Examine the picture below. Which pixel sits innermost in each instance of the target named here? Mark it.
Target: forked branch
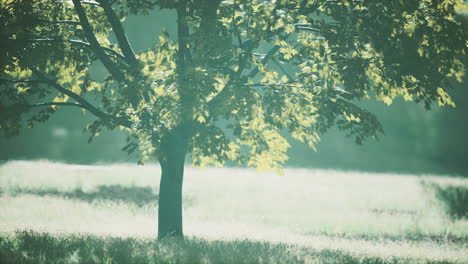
(100, 53)
(227, 91)
(119, 32)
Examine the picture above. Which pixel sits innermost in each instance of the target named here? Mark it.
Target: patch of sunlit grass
(363, 214)
(63, 177)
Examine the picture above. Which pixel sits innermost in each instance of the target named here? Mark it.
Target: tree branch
(225, 92)
(93, 3)
(119, 32)
(306, 28)
(273, 84)
(73, 41)
(88, 31)
(81, 102)
(282, 69)
(265, 59)
(57, 103)
(65, 22)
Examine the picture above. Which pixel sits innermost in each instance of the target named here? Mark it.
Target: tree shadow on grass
(453, 198)
(139, 196)
(32, 247)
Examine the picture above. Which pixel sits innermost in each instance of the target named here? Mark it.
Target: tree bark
(174, 145)
(170, 188)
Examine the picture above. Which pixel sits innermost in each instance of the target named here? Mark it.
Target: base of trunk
(170, 205)
(170, 188)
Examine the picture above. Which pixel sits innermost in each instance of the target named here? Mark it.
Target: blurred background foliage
(415, 140)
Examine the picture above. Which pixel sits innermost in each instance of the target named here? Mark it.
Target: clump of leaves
(454, 199)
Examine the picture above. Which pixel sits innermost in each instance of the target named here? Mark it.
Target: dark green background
(415, 140)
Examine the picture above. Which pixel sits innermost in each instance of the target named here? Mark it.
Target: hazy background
(415, 140)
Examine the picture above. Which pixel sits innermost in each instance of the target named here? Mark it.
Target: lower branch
(57, 104)
(81, 102)
(74, 42)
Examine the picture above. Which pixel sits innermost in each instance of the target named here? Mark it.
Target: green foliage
(31, 247)
(240, 71)
(454, 199)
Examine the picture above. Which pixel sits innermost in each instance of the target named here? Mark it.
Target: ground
(231, 215)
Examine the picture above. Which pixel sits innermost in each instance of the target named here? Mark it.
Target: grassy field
(57, 213)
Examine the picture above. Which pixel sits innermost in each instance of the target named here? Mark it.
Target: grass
(31, 247)
(305, 216)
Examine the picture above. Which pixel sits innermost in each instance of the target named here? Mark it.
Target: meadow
(58, 213)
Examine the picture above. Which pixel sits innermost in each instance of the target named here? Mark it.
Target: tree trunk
(174, 145)
(170, 188)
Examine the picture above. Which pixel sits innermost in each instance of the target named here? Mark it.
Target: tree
(238, 73)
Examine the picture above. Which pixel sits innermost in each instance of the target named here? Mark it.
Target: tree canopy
(237, 74)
